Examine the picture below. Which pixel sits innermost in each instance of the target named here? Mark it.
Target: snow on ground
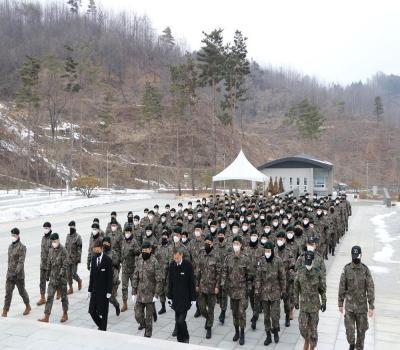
(16, 208)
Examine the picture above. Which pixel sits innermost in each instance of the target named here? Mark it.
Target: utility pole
(107, 169)
(224, 168)
(367, 177)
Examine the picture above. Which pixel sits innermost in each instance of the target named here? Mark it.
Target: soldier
(289, 262)
(270, 287)
(293, 247)
(356, 290)
(164, 256)
(116, 239)
(309, 285)
(16, 273)
(177, 243)
(130, 250)
(129, 220)
(236, 279)
(137, 230)
(73, 245)
(318, 260)
(144, 221)
(57, 265)
(107, 249)
(95, 234)
(146, 288)
(113, 220)
(222, 249)
(208, 279)
(323, 226)
(254, 252)
(150, 237)
(44, 252)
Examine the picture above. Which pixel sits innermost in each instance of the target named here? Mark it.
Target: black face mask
(221, 239)
(306, 225)
(145, 256)
(271, 257)
(97, 255)
(253, 244)
(72, 230)
(130, 220)
(106, 248)
(164, 241)
(356, 261)
(208, 247)
(96, 235)
(298, 232)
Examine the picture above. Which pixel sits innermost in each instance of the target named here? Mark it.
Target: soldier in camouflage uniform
(116, 237)
(73, 245)
(318, 259)
(95, 234)
(150, 237)
(322, 223)
(289, 261)
(16, 273)
(164, 256)
(222, 249)
(309, 285)
(107, 249)
(44, 252)
(292, 245)
(57, 265)
(113, 220)
(334, 233)
(130, 250)
(146, 288)
(356, 291)
(255, 253)
(236, 279)
(270, 287)
(208, 278)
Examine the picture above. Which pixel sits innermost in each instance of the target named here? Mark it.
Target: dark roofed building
(302, 172)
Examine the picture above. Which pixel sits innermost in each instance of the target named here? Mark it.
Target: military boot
(208, 334)
(45, 318)
(58, 296)
(253, 323)
(352, 347)
(276, 335)
(197, 313)
(27, 310)
(70, 290)
(4, 314)
(162, 310)
(175, 331)
(268, 340)
(222, 317)
(124, 306)
(64, 317)
(287, 320)
(79, 284)
(241, 339)
(42, 300)
(236, 336)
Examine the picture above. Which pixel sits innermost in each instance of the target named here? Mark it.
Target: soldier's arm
(79, 249)
(65, 263)
(135, 281)
(322, 288)
(282, 277)
(89, 255)
(223, 273)
(21, 260)
(218, 277)
(370, 291)
(159, 279)
(296, 290)
(257, 280)
(136, 247)
(48, 269)
(342, 289)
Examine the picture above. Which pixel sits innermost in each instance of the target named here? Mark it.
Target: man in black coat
(100, 286)
(182, 292)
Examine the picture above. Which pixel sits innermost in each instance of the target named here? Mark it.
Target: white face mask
(46, 231)
(262, 217)
(199, 215)
(236, 248)
(213, 229)
(311, 248)
(151, 217)
(256, 216)
(113, 228)
(176, 239)
(54, 245)
(14, 239)
(163, 219)
(280, 242)
(197, 233)
(184, 239)
(185, 215)
(148, 233)
(309, 267)
(223, 225)
(289, 216)
(253, 239)
(190, 217)
(206, 210)
(245, 228)
(230, 221)
(95, 231)
(285, 221)
(275, 224)
(172, 214)
(267, 230)
(305, 222)
(145, 215)
(290, 235)
(319, 212)
(267, 255)
(263, 240)
(235, 230)
(241, 219)
(127, 235)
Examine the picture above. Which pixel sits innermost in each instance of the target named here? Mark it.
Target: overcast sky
(336, 40)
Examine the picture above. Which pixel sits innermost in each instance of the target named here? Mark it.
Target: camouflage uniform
(57, 265)
(146, 285)
(73, 245)
(115, 266)
(289, 265)
(308, 286)
(15, 274)
(270, 282)
(318, 262)
(44, 253)
(208, 278)
(116, 244)
(222, 250)
(236, 279)
(130, 250)
(356, 287)
(164, 257)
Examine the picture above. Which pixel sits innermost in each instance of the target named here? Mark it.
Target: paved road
(378, 237)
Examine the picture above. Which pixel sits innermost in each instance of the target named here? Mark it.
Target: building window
(298, 181)
(291, 181)
(319, 182)
(305, 181)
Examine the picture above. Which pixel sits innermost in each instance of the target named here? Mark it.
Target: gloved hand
(296, 306)
(284, 296)
(155, 299)
(108, 295)
(169, 302)
(134, 297)
(323, 307)
(88, 267)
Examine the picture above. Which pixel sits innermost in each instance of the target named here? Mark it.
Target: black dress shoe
(117, 310)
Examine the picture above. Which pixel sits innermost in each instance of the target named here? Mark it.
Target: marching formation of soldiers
(262, 250)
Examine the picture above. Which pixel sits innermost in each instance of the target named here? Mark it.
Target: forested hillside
(84, 91)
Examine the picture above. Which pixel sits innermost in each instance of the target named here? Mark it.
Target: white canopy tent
(240, 169)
